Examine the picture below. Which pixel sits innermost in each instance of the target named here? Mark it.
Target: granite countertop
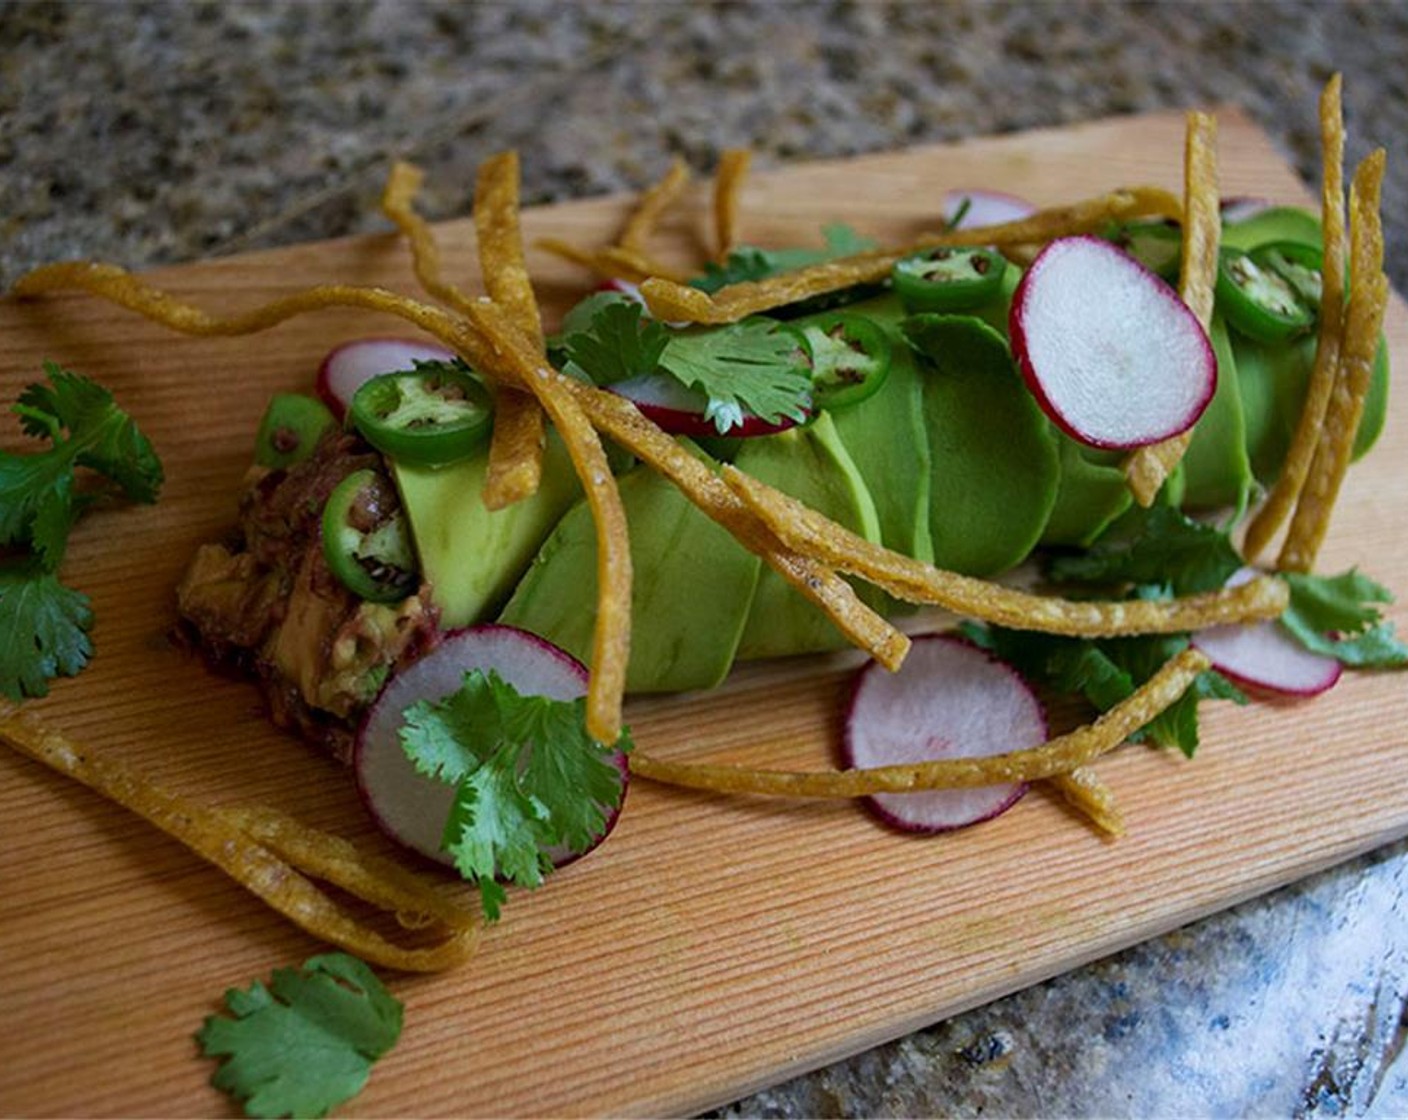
(152, 133)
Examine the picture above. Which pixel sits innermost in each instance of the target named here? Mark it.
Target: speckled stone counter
(152, 133)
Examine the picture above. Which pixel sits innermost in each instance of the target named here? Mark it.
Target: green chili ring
(1258, 301)
(850, 357)
(949, 279)
(366, 541)
(430, 416)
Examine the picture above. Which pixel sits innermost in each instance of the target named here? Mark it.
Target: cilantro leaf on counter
(306, 1042)
(748, 262)
(1156, 547)
(43, 624)
(1335, 616)
(753, 366)
(527, 776)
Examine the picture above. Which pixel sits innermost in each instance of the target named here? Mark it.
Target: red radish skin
(1263, 655)
(347, 367)
(985, 208)
(1110, 352)
(411, 808)
(949, 699)
(679, 410)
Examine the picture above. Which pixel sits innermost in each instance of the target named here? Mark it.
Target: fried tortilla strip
(1368, 298)
(402, 185)
(1149, 466)
(516, 447)
(1328, 341)
(728, 184)
(273, 870)
(912, 580)
(1084, 792)
(611, 638)
(620, 419)
(675, 302)
(1056, 756)
(613, 262)
(651, 207)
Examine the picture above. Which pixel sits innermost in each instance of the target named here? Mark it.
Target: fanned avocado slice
(690, 593)
(812, 465)
(996, 470)
(1216, 468)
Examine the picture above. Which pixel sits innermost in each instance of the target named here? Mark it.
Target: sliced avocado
(471, 556)
(690, 593)
(1217, 469)
(812, 465)
(884, 436)
(1093, 492)
(996, 471)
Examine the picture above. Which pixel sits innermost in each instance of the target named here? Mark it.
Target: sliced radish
(1111, 353)
(347, 367)
(948, 700)
(984, 208)
(1241, 208)
(625, 287)
(679, 410)
(1265, 655)
(412, 808)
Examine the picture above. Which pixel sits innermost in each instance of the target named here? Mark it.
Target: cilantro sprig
(304, 1043)
(1338, 616)
(528, 779)
(748, 262)
(752, 367)
(43, 624)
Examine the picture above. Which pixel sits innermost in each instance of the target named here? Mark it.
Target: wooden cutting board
(714, 945)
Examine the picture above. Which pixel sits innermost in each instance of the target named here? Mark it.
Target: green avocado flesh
(472, 557)
(813, 466)
(1216, 468)
(690, 593)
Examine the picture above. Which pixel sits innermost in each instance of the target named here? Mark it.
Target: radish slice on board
(347, 367)
(949, 699)
(1111, 353)
(679, 410)
(412, 808)
(984, 208)
(1265, 655)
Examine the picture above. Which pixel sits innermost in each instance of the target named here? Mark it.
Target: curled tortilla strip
(272, 870)
(651, 207)
(1084, 792)
(1368, 299)
(1329, 338)
(516, 446)
(611, 637)
(728, 184)
(675, 302)
(1054, 757)
(916, 582)
(622, 421)
(402, 185)
(613, 262)
(1149, 467)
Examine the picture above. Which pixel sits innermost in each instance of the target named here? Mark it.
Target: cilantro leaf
(1159, 547)
(754, 366)
(617, 343)
(305, 1043)
(528, 779)
(1335, 616)
(43, 628)
(748, 262)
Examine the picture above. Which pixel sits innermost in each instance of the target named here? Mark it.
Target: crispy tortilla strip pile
(273, 856)
(1149, 467)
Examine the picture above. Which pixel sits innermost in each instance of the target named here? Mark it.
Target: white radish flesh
(1265, 655)
(1111, 353)
(984, 208)
(412, 808)
(349, 366)
(948, 700)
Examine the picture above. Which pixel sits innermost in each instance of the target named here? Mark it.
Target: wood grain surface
(713, 945)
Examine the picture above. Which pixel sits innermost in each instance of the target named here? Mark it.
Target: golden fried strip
(914, 581)
(271, 871)
(516, 447)
(1084, 792)
(1328, 340)
(1056, 756)
(611, 637)
(402, 185)
(1149, 466)
(1368, 298)
(728, 183)
(620, 419)
(613, 262)
(675, 302)
(651, 207)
